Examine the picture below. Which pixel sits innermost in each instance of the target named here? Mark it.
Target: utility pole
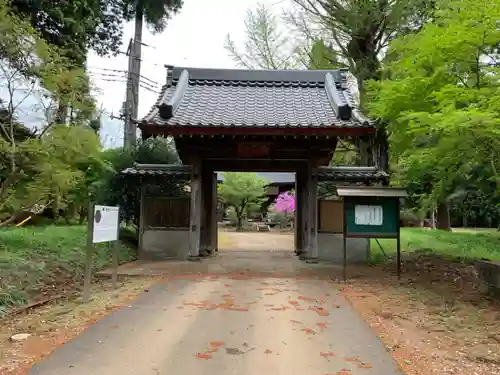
(131, 108)
(129, 101)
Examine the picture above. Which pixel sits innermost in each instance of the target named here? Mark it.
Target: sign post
(103, 226)
(371, 212)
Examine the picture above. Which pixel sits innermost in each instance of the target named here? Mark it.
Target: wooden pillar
(196, 210)
(312, 215)
(303, 208)
(206, 194)
(142, 221)
(213, 214)
(296, 231)
(300, 210)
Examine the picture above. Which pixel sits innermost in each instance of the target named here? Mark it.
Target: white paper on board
(106, 222)
(368, 215)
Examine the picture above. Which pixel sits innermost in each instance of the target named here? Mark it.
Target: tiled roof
(158, 170)
(339, 173)
(371, 191)
(273, 178)
(255, 98)
(350, 173)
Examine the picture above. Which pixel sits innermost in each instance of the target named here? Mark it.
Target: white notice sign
(106, 221)
(368, 215)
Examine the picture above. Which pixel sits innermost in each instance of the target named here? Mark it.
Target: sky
(193, 38)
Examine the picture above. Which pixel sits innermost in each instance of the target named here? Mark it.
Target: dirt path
(256, 241)
(249, 310)
(252, 309)
(226, 326)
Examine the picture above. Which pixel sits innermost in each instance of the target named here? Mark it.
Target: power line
(122, 71)
(124, 80)
(148, 45)
(106, 77)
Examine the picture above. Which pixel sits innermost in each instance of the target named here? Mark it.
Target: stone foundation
(163, 244)
(330, 249)
(489, 276)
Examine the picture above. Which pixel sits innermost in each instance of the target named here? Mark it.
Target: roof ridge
(245, 83)
(263, 75)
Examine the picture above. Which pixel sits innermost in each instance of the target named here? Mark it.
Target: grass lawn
(461, 243)
(41, 259)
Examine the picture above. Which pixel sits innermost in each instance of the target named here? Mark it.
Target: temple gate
(253, 120)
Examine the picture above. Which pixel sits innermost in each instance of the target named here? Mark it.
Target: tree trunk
(82, 215)
(382, 148)
(9, 220)
(443, 216)
(364, 147)
(62, 113)
(363, 52)
(5, 186)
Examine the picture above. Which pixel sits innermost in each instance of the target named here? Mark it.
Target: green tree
(333, 34)
(76, 26)
(37, 167)
(323, 56)
(241, 190)
(268, 44)
(36, 64)
(156, 13)
(79, 26)
(441, 99)
(359, 30)
(116, 189)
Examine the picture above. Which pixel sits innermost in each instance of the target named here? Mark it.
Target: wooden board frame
(87, 279)
(396, 235)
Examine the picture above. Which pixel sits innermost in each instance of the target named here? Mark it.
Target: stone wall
(330, 249)
(489, 276)
(163, 244)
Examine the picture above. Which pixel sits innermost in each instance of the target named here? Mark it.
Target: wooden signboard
(371, 212)
(331, 219)
(103, 226)
(371, 217)
(253, 149)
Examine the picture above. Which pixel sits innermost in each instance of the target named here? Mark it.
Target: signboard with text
(371, 212)
(371, 216)
(106, 222)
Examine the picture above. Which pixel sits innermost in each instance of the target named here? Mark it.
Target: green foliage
(359, 31)
(117, 189)
(441, 98)
(242, 190)
(49, 165)
(76, 26)
(31, 258)
(283, 219)
(156, 12)
(31, 66)
(268, 45)
(469, 246)
(51, 170)
(323, 57)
